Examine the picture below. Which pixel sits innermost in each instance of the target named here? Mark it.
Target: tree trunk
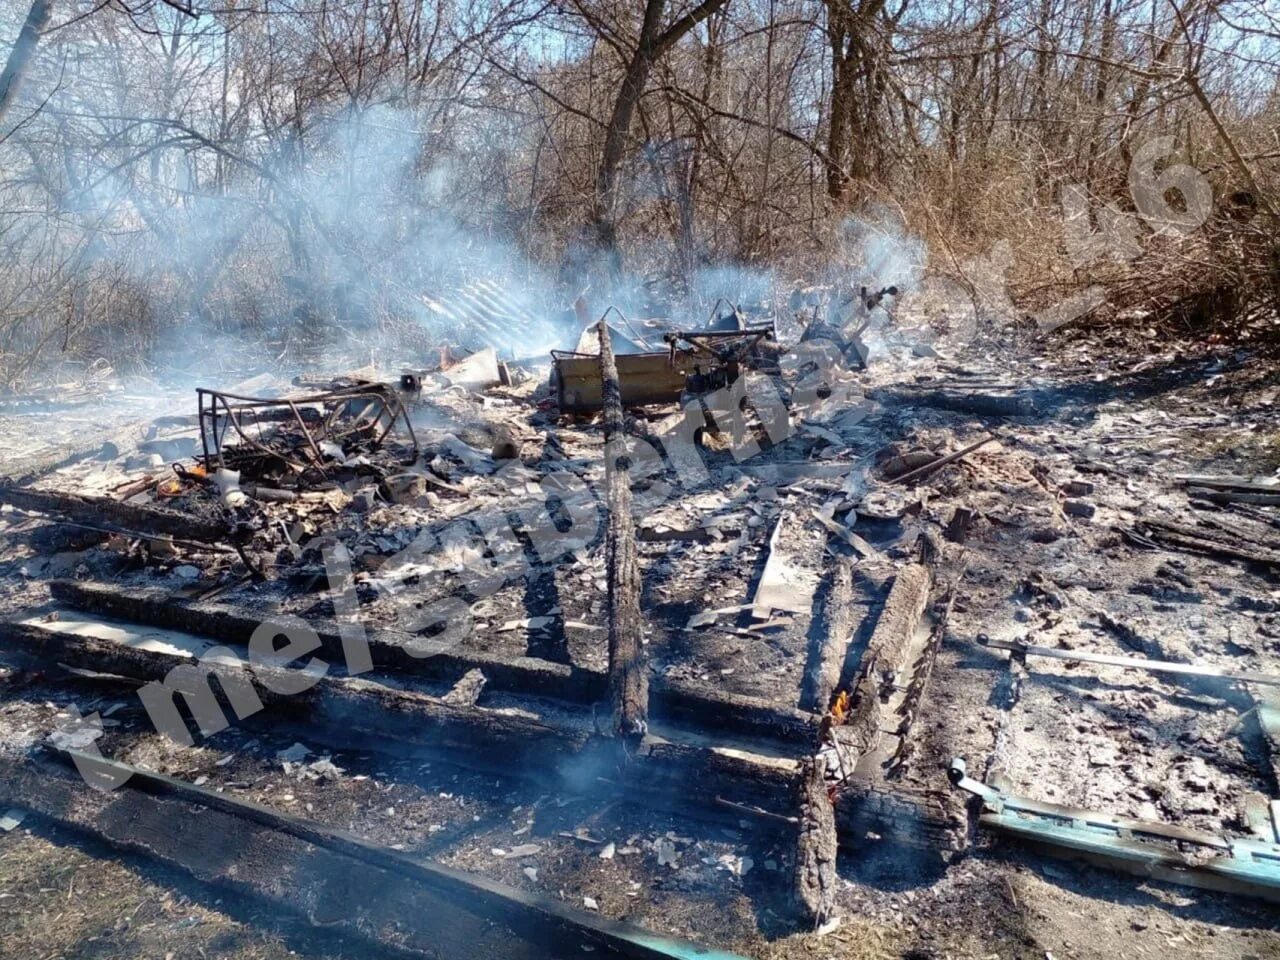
(15, 70)
(653, 43)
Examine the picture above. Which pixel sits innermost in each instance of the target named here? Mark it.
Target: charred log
(628, 673)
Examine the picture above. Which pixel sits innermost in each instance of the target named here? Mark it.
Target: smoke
(371, 244)
(353, 233)
(881, 252)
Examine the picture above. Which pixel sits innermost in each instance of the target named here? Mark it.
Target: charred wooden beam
(919, 684)
(135, 518)
(1234, 496)
(675, 701)
(1263, 485)
(368, 715)
(960, 401)
(1214, 543)
(816, 883)
(929, 821)
(376, 712)
(628, 673)
(406, 905)
(886, 650)
(827, 660)
(30, 470)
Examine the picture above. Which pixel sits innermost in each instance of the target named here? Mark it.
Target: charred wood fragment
(883, 662)
(466, 692)
(1210, 542)
(979, 404)
(957, 529)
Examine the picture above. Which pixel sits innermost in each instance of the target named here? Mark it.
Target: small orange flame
(840, 707)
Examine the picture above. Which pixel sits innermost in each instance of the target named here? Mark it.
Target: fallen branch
(941, 462)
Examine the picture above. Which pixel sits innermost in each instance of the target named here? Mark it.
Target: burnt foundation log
(252, 690)
(886, 652)
(827, 661)
(675, 702)
(130, 517)
(816, 882)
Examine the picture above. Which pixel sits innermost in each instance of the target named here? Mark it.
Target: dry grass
(58, 901)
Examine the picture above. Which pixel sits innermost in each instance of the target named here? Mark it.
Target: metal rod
(1136, 663)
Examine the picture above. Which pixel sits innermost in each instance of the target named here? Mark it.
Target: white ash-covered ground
(1132, 743)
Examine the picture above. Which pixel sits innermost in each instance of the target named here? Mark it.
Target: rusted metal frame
(741, 345)
(716, 306)
(604, 318)
(1146, 848)
(756, 333)
(311, 441)
(390, 406)
(231, 418)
